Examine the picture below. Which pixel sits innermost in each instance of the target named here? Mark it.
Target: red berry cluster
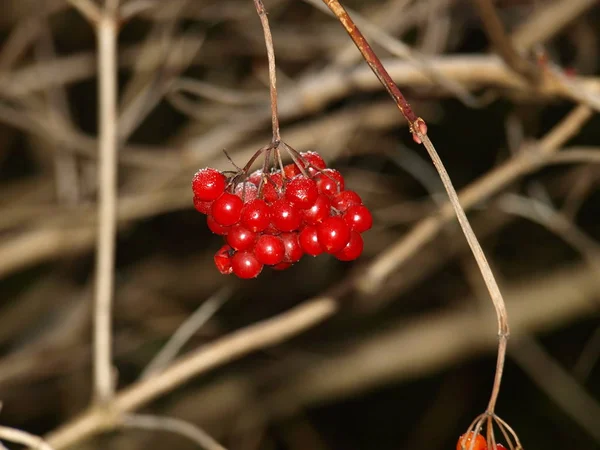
(274, 219)
(464, 442)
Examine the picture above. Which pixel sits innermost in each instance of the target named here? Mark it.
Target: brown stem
(262, 14)
(502, 43)
(419, 130)
(375, 64)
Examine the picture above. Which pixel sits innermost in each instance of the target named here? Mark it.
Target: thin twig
(419, 130)
(500, 40)
(173, 425)
(262, 14)
(107, 206)
(24, 438)
(88, 9)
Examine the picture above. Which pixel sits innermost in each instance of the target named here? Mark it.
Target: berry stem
(262, 14)
(419, 130)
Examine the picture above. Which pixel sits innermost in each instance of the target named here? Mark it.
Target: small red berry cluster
(273, 219)
(464, 442)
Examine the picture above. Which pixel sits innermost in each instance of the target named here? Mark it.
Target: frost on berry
(301, 192)
(247, 191)
(208, 184)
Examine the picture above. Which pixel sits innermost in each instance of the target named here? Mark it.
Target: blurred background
(405, 364)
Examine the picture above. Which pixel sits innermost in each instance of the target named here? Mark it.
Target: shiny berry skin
(208, 184)
(223, 259)
(216, 227)
(282, 266)
(464, 442)
(240, 238)
(309, 241)
(227, 209)
(330, 182)
(318, 212)
(284, 216)
(291, 170)
(272, 187)
(314, 160)
(269, 250)
(202, 206)
(256, 215)
(334, 234)
(245, 265)
(353, 248)
(344, 200)
(358, 218)
(301, 192)
(293, 251)
(247, 191)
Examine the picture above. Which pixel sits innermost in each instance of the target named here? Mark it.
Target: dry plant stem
(420, 132)
(178, 426)
(88, 9)
(23, 438)
(107, 207)
(262, 14)
(501, 41)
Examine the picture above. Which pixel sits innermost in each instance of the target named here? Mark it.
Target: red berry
(216, 227)
(240, 238)
(291, 170)
(330, 182)
(272, 187)
(255, 177)
(309, 241)
(282, 266)
(301, 192)
(318, 212)
(227, 209)
(247, 191)
(333, 234)
(313, 159)
(284, 216)
(223, 259)
(269, 250)
(344, 200)
(353, 248)
(208, 184)
(464, 442)
(358, 218)
(245, 265)
(500, 447)
(293, 251)
(202, 206)
(256, 215)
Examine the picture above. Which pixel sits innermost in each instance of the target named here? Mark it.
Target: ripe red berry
(293, 251)
(282, 266)
(301, 192)
(256, 215)
(223, 259)
(284, 216)
(330, 182)
(240, 238)
(208, 184)
(353, 248)
(272, 187)
(314, 160)
(333, 234)
(247, 191)
(245, 265)
(309, 241)
(344, 200)
(358, 218)
(291, 170)
(269, 250)
(318, 212)
(255, 177)
(227, 209)
(464, 442)
(500, 447)
(216, 227)
(202, 206)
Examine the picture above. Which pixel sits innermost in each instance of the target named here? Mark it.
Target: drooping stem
(419, 130)
(262, 14)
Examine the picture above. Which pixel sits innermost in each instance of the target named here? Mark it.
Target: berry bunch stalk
(418, 128)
